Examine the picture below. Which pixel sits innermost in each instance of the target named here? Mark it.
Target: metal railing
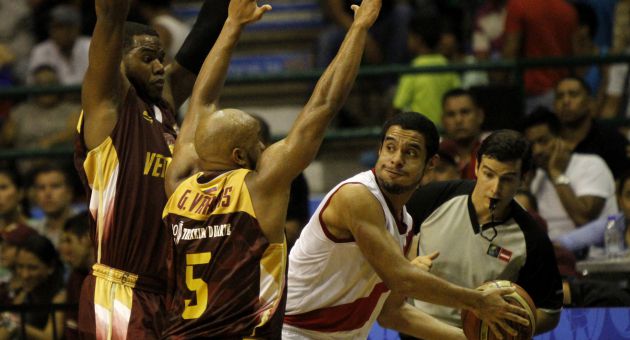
(516, 67)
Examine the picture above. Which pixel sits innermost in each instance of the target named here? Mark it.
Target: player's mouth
(394, 172)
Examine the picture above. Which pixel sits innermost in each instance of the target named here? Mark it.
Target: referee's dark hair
(417, 122)
(507, 145)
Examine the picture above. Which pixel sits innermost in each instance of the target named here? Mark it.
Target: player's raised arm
(103, 84)
(356, 213)
(208, 86)
(287, 158)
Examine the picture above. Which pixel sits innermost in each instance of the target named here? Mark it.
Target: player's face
(571, 102)
(10, 196)
(461, 119)
(31, 270)
(542, 140)
(144, 65)
(52, 193)
(496, 180)
(74, 250)
(401, 160)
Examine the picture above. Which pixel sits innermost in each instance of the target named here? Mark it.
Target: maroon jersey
(229, 280)
(124, 179)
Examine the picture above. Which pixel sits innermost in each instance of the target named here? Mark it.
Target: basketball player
(126, 134)
(228, 219)
(482, 234)
(348, 268)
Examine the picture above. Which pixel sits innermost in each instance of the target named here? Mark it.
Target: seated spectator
(537, 29)
(65, 50)
(387, 40)
(53, 194)
(43, 121)
(16, 41)
(13, 238)
(571, 188)
(462, 119)
(422, 92)
(489, 23)
(573, 105)
(75, 249)
(445, 168)
(41, 274)
(11, 197)
(172, 31)
(584, 45)
(592, 234)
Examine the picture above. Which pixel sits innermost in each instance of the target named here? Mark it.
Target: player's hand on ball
(494, 310)
(426, 261)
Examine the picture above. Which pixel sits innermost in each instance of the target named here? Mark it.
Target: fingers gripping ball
(475, 329)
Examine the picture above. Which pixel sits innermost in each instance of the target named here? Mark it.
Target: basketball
(475, 329)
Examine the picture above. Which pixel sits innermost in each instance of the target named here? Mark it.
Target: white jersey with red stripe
(333, 292)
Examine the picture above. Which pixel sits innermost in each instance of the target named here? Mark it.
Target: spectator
(534, 29)
(387, 42)
(16, 40)
(571, 188)
(605, 12)
(66, 50)
(13, 238)
(461, 120)
(75, 249)
(53, 192)
(592, 234)
(297, 211)
(171, 30)
(445, 168)
(584, 45)
(43, 121)
(489, 25)
(616, 102)
(41, 274)
(573, 104)
(11, 197)
(423, 92)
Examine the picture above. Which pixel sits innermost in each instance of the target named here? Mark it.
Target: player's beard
(397, 189)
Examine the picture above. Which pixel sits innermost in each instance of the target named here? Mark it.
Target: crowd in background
(582, 164)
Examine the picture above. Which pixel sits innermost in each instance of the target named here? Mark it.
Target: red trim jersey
(333, 292)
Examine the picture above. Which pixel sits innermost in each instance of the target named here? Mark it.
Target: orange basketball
(475, 329)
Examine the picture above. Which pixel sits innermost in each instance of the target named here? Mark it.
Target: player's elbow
(546, 321)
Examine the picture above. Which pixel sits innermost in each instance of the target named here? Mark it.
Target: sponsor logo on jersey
(189, 234)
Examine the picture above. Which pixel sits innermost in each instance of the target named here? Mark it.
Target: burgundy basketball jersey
(124, 179)
(229, 281)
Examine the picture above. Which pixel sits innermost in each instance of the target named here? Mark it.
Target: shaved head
(228, 136)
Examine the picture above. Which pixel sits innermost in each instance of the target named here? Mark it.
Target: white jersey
(333, 292)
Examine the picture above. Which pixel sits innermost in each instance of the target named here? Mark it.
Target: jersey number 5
(199, 286)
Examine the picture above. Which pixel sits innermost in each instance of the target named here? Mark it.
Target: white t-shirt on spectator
(70, 72)
(617, 74)
(590, 176)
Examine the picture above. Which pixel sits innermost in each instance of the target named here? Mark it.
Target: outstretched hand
(495, 311)
(366, 13)
(244, 12)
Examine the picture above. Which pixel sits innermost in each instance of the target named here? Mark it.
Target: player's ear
(239, 157)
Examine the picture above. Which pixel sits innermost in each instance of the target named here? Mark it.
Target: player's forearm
(332, 88)
(412, 321)
(441, 292)
(213, 73)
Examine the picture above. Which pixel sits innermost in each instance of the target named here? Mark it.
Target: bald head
(228, 136)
